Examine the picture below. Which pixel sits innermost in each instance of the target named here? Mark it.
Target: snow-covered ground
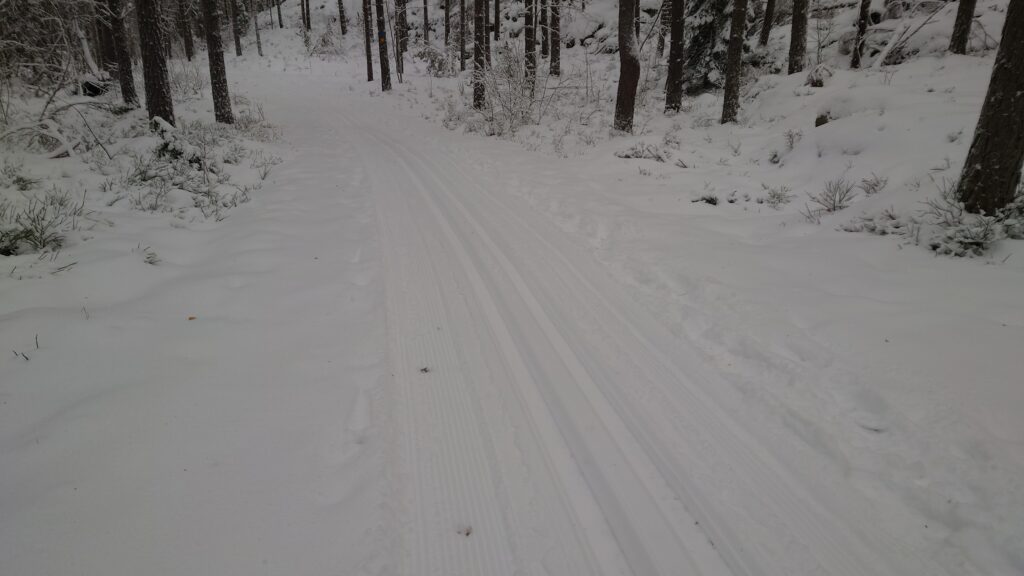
(417, 350)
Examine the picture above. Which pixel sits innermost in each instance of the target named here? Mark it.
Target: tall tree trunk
(487, 33)
(185, 26)
(544, 38)
(447, 23)
(401, 29)
(734, 61)
(530, 39)
(479, 62)
(497, 19)
(236, 27)
(382, 46)
(767, 22)
(991, 173)
(119, 37)
(280, 21)
(367, 35)
(342, 18)
(154, 63)
(663, 29)
(636, 18)
(302, 12)
(798, 37)
(256, 26)
(962, 26)
(676, 56)
(309, 16)
(555, 65)
(629, 67)
(215, 53)
(426, 23)
(462, 35)
(862, 30)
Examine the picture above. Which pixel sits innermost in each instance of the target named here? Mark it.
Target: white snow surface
(418, 351)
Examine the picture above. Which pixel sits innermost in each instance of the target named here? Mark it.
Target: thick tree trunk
(447, 23)
(767, 22)
(862, 30)
(426, 23)
(367, 35)
(256, 26)
(309, 15)
(479, 62)
(734, 61)
(962, 26)
(544, 38)
(401, 31)
(154, 63)
(185, 26)
(991, 173)
(280, 21)
(676, 56)
(119, 37)
(798, 37)
(487, 33)
(215, 52)
(530, 43)
(555, 17)
(382, 45)
(462, 35)
(497, 19)
(342, 18)
(629, 67)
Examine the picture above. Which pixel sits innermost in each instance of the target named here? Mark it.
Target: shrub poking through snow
(873, 185)
(39, 224)
(707, 199)
(643, 151)
(837, 195)
(777, 197)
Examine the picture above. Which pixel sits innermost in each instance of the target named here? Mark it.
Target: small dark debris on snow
(425, 369)
(465, 530)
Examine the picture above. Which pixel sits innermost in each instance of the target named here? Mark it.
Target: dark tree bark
(302, 12)
(256, 26)
(487, 33)
(215, 52)
(280, 21)
(479, 62)
(497, 19)
(382, 46)
(119, 37)
(236, 27)
(342, 18)
(154, 63)
(185, 27)
(530, 39)
(734, 61)
(991, 173)
(462, 35)
(798, 37)
(767, 22)
(309, 15)
(447, 22)
(962, 26)
(629, 67)
(862, 30)
(676, 56)
(367, 35)
(555, 68)
(426, 23)
(544, 38)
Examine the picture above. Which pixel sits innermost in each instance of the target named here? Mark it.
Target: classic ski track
(681, 485)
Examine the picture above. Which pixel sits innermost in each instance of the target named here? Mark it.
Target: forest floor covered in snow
(384, 342)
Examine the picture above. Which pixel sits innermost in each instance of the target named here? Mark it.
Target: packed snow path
(544, 423)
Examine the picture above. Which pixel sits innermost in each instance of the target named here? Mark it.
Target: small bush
(644, 151)
(777, 197)
(707, 199)
(873, 185)
(40, 224)
(837, 195)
